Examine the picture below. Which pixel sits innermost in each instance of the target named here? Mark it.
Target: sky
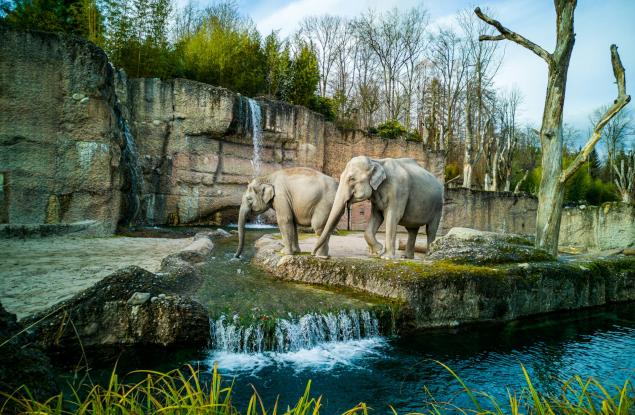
(598, 24)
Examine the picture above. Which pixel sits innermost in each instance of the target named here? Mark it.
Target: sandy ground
(353, 245)
(37, 273)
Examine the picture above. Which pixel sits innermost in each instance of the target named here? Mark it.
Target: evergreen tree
(77, 17)
(278, 66)
(305, 76)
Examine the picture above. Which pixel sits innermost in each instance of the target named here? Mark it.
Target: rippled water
(598, 343)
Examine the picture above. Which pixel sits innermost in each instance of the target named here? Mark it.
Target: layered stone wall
(60, 142)
(489, 211)
(610, 226)
(196, 147)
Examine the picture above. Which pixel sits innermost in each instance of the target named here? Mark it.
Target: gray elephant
(401, 193)
(300, 196)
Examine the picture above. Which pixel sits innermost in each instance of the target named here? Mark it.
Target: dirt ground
(37, 273)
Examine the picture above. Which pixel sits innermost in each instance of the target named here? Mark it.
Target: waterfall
(255, 117)
(133, 174)
(290, 335)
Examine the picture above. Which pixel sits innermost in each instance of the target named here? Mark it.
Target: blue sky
(598, 24)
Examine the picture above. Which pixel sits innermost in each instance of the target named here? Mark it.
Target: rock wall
(60, 143)
(489, 211)
(196, 147)
(610, 226)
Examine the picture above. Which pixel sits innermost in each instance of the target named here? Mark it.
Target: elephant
(300, 196)
(401, 192)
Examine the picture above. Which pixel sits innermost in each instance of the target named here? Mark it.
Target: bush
(325, 106)
(372, 131)
(452, 170)
(414, 136)
(391, 129)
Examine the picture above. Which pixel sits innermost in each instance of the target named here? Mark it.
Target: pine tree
(305, 76)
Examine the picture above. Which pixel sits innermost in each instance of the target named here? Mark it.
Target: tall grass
(184, 392)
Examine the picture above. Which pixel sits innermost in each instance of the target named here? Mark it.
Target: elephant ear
(377, 176)
(267, 192)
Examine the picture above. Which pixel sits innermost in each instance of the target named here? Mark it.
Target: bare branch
(618, 71)
(619, 103)
(505, 33)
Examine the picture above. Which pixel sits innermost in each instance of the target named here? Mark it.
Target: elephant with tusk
(401, 193)
(300, 196)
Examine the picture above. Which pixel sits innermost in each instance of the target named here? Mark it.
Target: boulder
(22, 363)
(471, 246)
(131, 307)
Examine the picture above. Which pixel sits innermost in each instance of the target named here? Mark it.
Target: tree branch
(505, 33)
(619, 103)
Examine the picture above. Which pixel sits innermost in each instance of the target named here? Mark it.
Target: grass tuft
(185, 392)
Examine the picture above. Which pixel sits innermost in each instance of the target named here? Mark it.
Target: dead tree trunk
(551, 192)
(625, 180)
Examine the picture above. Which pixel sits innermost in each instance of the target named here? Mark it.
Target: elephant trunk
(242, 217)
(341, 198)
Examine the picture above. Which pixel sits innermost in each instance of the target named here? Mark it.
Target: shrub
(414, 136)
(391, 129)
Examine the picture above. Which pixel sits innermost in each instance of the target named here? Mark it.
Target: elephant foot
(407, 256)
(387, 256)
(322, 256)
(376, 251)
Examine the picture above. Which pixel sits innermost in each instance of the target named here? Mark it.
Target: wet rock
(21, 362)
(116, 312)
(139, 298)
(471, 246)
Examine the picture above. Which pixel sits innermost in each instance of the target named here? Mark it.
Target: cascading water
(134, 176)
(255, 118)
(292, 335)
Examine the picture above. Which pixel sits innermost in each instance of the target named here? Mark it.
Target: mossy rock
(469, 246)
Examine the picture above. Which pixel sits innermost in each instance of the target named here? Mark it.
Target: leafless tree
(324, 34)
(395, 37)
(507, 112)
(616, 130)
(625, 177)
(482, 64)
(450, 62)
(552, 183)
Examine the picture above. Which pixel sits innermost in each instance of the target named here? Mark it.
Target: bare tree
(507, 112)
(625, 178)
(395, 38)
(324, 34)
(616, 130)
(450, 63)
(551, 193)
(482, 65)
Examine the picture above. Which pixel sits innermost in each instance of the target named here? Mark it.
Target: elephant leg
(287, 229)
(410, 245)
(376, 219)
(391, 235)
(295, 246)
(318, 227)
(431, 230)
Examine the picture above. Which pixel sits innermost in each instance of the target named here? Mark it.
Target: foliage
(325, 106)
(583, 188)
(78, 17)
(452, 170)
(305, 76)
(278, 66)
(391, 129)
(414, 136)
(179, 392)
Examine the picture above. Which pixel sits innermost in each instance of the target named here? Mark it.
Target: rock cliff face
(196, 146)
(81, 142)
(60, 142)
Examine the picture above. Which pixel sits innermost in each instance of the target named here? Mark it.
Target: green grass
(179, 392)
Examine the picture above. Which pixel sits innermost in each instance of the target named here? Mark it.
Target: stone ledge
(447, 294)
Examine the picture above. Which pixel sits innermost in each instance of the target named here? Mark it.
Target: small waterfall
(133, 174)
(255, 117)
(290, 335)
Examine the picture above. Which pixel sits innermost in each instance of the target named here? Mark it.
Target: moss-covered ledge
(444, 294)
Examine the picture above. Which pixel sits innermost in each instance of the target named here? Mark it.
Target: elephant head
(360, 178)
(256, 200)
